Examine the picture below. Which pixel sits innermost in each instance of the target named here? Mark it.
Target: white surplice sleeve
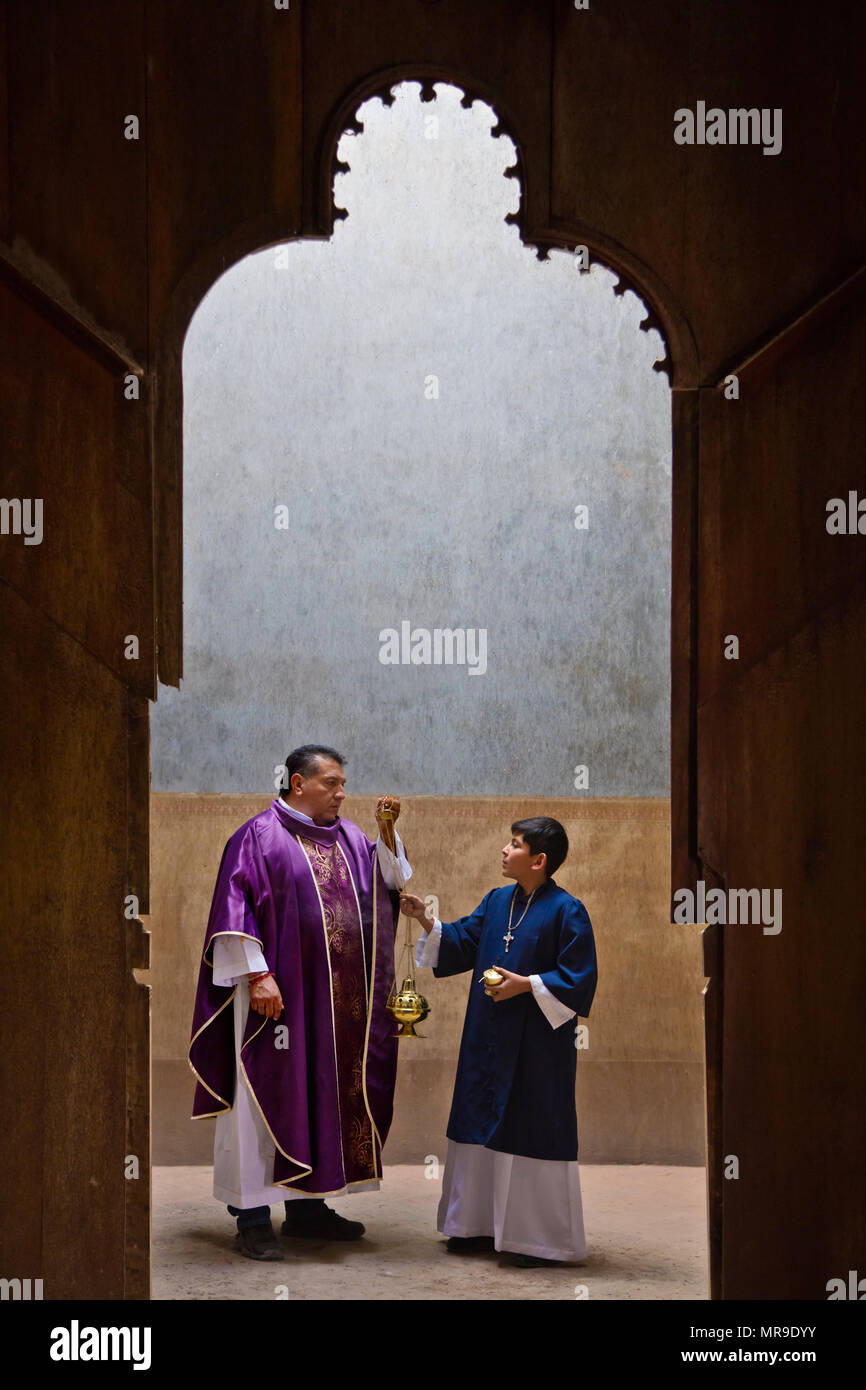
(234, 957)
(395, 868)
(427, 946)
(553, 1009)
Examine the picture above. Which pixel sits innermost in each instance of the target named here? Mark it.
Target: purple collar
(319, 834)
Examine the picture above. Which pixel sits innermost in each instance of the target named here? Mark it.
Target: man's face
(322, 791)
(517, 857)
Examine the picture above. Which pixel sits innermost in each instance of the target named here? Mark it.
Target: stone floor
(645, 1233)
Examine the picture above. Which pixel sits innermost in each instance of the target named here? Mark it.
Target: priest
(292, 1047)
(511, 1180)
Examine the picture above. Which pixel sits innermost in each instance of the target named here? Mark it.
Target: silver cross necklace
(509, 935)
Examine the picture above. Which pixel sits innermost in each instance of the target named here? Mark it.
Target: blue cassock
(515, 1076)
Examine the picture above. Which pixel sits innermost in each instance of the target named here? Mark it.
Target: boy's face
(517, 858)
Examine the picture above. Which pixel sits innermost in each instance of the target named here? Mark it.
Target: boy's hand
(413, 906)
(511, 986)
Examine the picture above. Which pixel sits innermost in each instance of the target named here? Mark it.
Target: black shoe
(469, 1245)
(533, 1261)
(259, 1243)
(320, 1223)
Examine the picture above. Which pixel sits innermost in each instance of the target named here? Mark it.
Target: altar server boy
(511, 1179)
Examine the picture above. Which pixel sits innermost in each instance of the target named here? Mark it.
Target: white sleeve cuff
(395, 868)
(554, 1011)
(427, 947)
(235, 956)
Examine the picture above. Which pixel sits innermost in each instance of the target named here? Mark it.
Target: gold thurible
(405, 1005)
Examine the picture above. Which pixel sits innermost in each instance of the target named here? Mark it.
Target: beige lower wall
(640, 1083)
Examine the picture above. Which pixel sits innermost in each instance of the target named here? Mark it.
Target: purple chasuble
(322, 1074)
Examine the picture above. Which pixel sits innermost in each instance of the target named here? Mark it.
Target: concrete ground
(645, 1236)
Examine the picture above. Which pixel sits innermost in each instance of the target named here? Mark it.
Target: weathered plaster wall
(307, 385)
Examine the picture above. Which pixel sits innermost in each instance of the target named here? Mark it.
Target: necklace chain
(509, 935)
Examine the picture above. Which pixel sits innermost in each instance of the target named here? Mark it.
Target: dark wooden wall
(746, 262)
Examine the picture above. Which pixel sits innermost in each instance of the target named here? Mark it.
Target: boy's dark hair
(304, 759)
(544, 836)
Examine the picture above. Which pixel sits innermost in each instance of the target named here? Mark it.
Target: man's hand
(386, 823)
(512, 985)
(265, 997)
(413, 906)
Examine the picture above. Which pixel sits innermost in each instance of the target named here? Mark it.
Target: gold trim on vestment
(372, 996)
(207, 1023)
(360, 919)
(226, 1104)
(337, 1191)
(330, 993)
(307, 1167)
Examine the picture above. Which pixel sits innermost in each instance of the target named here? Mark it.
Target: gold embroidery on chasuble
(349, 998)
